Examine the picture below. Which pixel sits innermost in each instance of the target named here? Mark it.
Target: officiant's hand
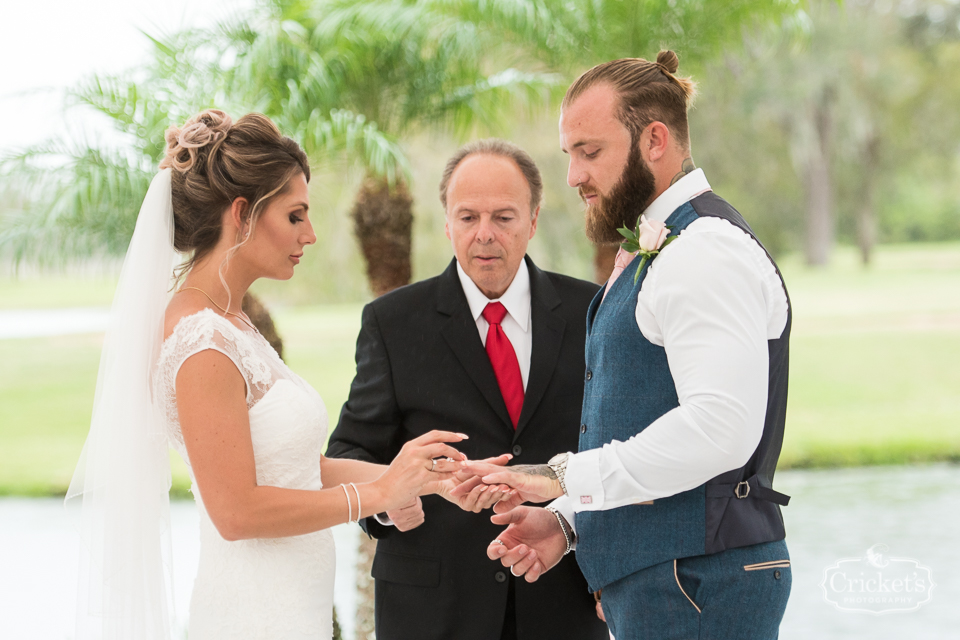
(533, 482)
(532, 544)
(468, 492)
(408, 517)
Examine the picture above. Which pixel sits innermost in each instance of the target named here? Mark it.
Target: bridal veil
(123, 478)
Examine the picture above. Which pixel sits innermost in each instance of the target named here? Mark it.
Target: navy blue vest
(628, 386)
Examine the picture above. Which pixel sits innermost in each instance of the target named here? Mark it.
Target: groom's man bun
(649, 91)
(214, 162)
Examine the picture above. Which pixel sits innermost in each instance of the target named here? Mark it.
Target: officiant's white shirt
(712, 300)
(516, 324)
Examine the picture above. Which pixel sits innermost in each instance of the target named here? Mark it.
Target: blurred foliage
(332, 74)
(890, 70)
(391, 87)
(573, 35)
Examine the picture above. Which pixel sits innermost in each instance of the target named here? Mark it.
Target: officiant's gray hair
(504, 149)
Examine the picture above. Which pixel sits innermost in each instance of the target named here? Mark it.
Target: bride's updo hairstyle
(214, 162)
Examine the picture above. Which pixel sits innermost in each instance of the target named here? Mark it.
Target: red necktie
(504, 361)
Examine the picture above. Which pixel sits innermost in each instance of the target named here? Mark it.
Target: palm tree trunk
(383, 221)
(604, 256)
(866, 216)
(818, 182)
(366, 626)
(261, 319)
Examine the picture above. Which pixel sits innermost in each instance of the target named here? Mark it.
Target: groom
(493, 346)
(669, 501)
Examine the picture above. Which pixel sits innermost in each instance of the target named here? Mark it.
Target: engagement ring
(499, 542)
(434, 465)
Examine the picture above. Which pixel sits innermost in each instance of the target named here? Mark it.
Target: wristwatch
(559, 465)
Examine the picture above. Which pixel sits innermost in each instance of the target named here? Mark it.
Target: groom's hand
(407, 517)
(469, 493)
(532, 482)
(532, 545)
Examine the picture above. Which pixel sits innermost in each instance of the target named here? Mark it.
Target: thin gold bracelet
(359, 507)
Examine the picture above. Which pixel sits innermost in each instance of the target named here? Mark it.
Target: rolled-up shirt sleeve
(705, 301)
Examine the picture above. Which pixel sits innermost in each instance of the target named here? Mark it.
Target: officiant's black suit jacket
(421, 366)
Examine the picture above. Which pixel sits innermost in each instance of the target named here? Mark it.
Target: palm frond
(491, 100)
(575, 34)
(327, 137)
(76, 203)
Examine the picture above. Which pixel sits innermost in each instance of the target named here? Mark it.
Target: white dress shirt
(712, 299)
(517, 324)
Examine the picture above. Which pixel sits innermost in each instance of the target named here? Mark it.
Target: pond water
(838, 514)
(34, 323)
(833, 515)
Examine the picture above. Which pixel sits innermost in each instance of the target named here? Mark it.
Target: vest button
(776, 574)
(517, 450)
(589, 374)
(500, 576)
(583, 428)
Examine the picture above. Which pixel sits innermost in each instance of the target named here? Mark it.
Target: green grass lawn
(874, 372)
(56, 291)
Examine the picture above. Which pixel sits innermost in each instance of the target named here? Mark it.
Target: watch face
(557, 459)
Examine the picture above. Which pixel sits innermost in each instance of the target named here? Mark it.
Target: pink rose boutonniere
(647, 241)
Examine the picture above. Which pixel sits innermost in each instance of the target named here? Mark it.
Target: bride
(189, 368)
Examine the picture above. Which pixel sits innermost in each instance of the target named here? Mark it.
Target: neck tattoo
(685, 168)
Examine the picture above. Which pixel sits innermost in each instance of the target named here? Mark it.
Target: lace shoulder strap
(207, 330)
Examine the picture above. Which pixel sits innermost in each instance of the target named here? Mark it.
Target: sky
(47, 47)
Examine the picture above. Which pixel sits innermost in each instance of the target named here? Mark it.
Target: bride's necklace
(229, 313)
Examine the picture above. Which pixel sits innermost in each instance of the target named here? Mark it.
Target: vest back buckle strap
(741, 490)
(750, 487)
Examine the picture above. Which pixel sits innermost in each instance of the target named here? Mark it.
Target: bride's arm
(211, 403)
(337, 471)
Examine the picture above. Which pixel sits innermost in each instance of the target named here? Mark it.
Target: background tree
(78, 200)
(854, 103)
(570, 37)
(401, 67)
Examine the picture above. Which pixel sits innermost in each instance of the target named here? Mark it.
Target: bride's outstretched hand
(468, 491)
(532, 545)
(420, 463)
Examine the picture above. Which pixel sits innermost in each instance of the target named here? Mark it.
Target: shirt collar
(516, 298)
(679, 193)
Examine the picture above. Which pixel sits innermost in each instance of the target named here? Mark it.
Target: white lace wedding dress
(276, 588)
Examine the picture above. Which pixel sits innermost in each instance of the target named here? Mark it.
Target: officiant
(492, 347)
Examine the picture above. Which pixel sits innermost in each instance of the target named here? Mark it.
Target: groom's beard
(627, 200)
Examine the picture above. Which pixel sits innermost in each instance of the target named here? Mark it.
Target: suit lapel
(548, 328)
(460, 332)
